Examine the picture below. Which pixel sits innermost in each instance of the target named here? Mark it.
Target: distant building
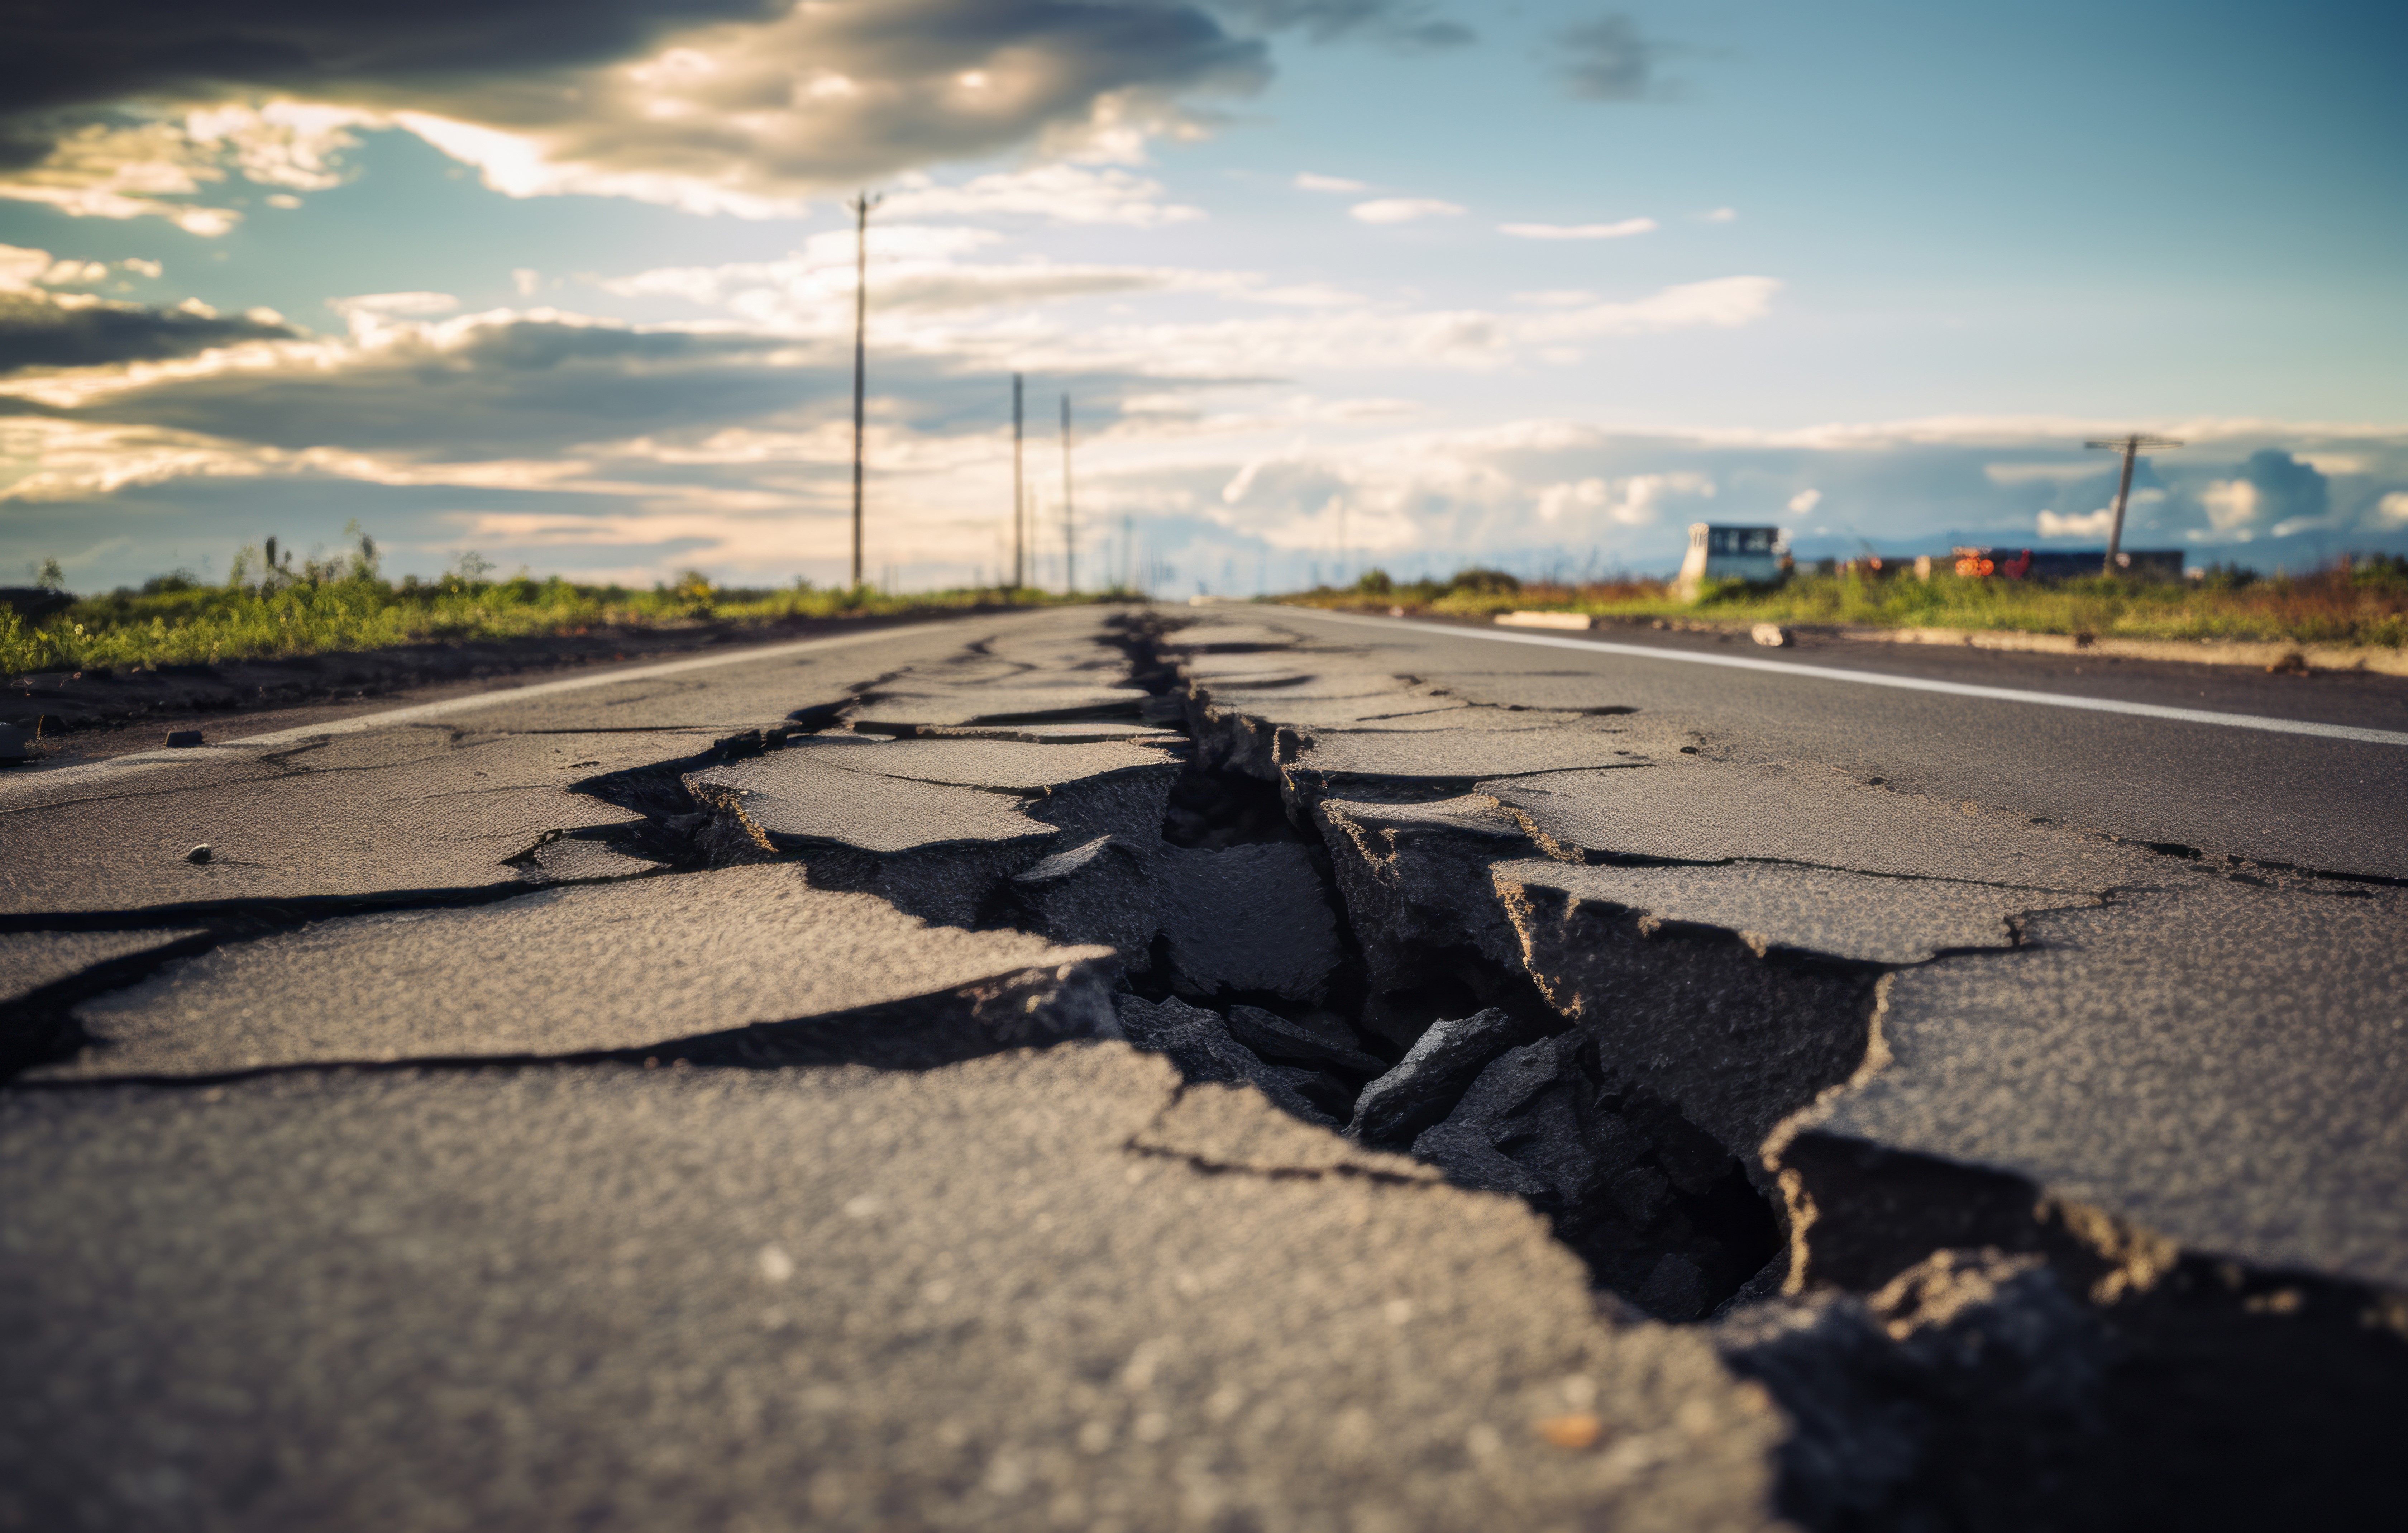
(1729, 553)
(2066, 564)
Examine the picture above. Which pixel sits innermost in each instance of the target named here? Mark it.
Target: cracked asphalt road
(888, 1085)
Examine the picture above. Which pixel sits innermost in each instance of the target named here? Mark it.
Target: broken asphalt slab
(764, 1297)
(2224, 1063)
(393, 814)
(606, 969)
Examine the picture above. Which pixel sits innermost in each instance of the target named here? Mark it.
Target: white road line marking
(23, 781)
(1905, 683)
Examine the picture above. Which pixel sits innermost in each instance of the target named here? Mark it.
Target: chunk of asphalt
(1735, 1035)
(1425, 1086)
(1659, 1210)
(181, 739)
(1325, 1043)
(378, 815)
(1417, 889)
(1097, 890)
(2224, 1063)
(1198, 1043)
(1466, 1144)
(794, 798)
(952, 1298)
(583, 970)
(1973, 1363)
(1688, 808)
(1776, 906)
(1247, 917)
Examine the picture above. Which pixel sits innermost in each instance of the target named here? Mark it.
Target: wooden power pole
(1019, 497)
(861, 206)
(2130, 446)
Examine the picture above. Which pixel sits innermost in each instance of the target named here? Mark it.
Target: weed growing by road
(2359, 601)
(272, 609)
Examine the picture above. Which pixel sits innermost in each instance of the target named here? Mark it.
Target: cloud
(49, 330)
(121, 168)
(2271, 486)
(1720, 215)
(1061, 194)
(1402, 210)
(2046, 473)
(391, 305)
(1307, 181)
(2093, 524)
(1805, 502)
(71, 55)
(1723, 302)
(1398, 23)
(1623, 230)
(1633, 502)
(625, 452)
(913, 273)
(744, 106)
(1606, 59)
(518, 384)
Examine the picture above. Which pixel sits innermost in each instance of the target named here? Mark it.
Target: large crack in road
(1393, 934)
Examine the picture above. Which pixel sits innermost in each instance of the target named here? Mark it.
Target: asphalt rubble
(1391, 937)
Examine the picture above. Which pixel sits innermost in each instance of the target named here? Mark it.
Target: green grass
(175, 621)
(2352, 602)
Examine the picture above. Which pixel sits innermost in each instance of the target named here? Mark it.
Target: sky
(1330, 284)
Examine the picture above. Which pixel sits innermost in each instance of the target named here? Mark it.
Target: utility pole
(1129, 552)
(861, 205)
(1019, 495)
(1069, 525)
(2130, 446)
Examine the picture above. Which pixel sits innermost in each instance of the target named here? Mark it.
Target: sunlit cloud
(1402, 210)
(1623, 230)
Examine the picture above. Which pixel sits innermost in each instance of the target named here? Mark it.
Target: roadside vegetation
(271, 608)
(2357, 601)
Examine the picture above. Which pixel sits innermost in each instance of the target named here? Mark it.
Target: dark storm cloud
(72, 54)
(531, 387)
(1607, 60)
(37, 330)
(788, 101)
(508, 386)
(2288, 489)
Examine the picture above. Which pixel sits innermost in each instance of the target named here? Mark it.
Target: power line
(2130, 446)
(861, 205)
